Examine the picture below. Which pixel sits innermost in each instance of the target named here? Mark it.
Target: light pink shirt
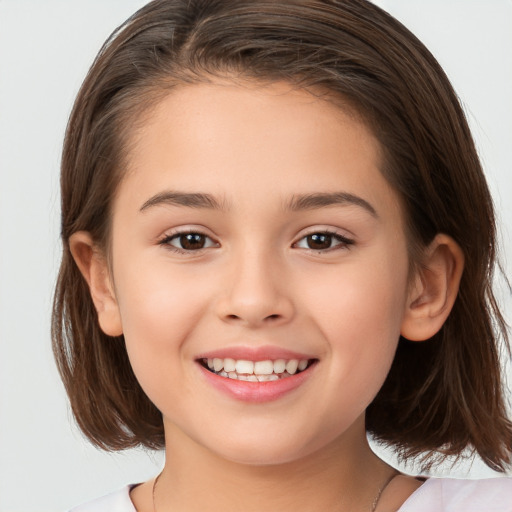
(435, 495)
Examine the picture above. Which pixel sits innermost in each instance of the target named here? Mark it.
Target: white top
(435, 495)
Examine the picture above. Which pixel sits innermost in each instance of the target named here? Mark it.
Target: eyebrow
(192, 200)
(322, 199)
(297, 203)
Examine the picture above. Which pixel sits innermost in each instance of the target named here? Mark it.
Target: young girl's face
(253, 224)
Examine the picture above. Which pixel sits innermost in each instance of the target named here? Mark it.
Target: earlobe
(434, 289)
(93, 266)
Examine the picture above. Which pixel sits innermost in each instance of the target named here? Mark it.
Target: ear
(94, 267)
(434, 289)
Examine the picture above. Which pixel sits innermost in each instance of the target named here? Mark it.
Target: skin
(257, 282)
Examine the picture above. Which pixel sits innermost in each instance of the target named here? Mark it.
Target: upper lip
(254, 353)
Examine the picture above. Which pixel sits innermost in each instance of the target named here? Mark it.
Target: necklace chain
(154, 489)
(372, 509)
(381, 490)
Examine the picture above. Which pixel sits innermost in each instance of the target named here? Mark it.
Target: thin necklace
(154, 489)
(372, 509)
(379, 494)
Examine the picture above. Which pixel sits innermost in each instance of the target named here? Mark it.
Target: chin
(259, 458)
(264, 450)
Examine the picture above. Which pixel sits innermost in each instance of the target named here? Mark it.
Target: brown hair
(441, 396)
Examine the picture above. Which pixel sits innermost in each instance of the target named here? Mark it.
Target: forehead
(229, 137)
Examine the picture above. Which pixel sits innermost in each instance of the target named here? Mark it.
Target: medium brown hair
(441, 396)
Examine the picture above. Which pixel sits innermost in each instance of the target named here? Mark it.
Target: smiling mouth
(256, 371)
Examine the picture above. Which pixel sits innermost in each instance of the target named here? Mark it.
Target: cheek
(360, 309)
(158, 311)
(359, 299)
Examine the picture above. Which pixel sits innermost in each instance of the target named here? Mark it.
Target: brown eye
(323, 242)
(192, 241)
(188, 242)
(319, 241)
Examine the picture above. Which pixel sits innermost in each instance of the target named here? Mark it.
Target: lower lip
(257, 392)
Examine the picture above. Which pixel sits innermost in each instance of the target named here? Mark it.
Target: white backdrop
(46, 47)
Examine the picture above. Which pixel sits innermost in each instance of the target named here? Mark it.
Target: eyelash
(166, 241)
(344, 242)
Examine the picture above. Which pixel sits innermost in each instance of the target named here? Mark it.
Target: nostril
(270, 318)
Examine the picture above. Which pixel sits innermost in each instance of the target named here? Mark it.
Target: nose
(255, 292)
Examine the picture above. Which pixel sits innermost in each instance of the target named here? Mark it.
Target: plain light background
(46, 48)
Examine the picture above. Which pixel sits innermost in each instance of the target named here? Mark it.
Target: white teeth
(279, 366)
(267, 378)
(263, 367)
(243, 366)
(229, 365)
(302, 364)
(256, 371)
(291, 366)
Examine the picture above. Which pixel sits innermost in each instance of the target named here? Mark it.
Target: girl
(277, 239)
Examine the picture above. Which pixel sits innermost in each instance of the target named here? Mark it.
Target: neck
(345, 475)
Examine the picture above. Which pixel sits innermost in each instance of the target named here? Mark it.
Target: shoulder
(118, 501)
(453, 495)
